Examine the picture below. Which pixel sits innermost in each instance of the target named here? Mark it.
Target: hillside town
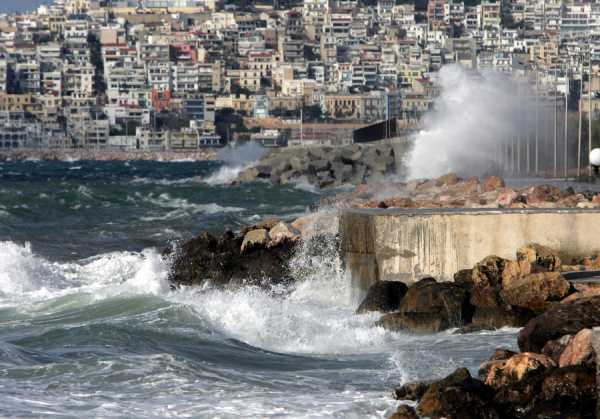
(180, 75)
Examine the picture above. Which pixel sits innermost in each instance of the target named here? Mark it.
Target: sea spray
(235, 160)
(472, 122)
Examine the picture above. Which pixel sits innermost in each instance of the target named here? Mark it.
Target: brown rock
(405, 412)
(266, 224)
(535, 258)
(569, 201)
(579, 350)
(457, 396)
(485, 297)
(447, 180)
(469, 186)
(510, 273)
(560, 320)
(553, 348)
(258, 237)
(399, 202)
(506, 198)
(427, 186)
(430, 306)
(498, 317)
(534, 291)
(497, 374)
(464, 278)
(411, 391)
(583, 290)
(282, 231)
(418, 323)
(501, 354)
(543, 193)
(488, 272)
(572, 389)
(492, 183)
(383, 296)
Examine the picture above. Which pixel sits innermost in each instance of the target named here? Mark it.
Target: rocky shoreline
(104, 155)
(554, 375)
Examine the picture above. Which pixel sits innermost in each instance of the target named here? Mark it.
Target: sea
(90, 327)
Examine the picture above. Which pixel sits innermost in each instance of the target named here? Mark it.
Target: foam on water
(28, 278)
(224, 175)
(153, 352)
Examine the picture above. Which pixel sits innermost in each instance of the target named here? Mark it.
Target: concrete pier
(404, 245)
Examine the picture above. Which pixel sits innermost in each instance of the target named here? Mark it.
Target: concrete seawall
(404, 245)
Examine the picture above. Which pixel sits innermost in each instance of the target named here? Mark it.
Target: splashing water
(473, 119)
(236, 160)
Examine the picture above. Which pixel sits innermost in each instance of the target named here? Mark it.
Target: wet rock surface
(560, 320)
(255, 256)
(495, 293)
(430, 306)
(383, 296)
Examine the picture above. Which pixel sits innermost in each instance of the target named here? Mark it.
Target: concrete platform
(404, 245)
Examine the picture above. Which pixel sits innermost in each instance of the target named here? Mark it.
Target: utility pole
(580, 121)
(528, 133)
(537, 135)
(519, 133)
(555, 122)
(567, 82)
(590, 109)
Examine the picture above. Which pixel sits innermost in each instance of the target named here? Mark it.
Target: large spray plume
(475, 122)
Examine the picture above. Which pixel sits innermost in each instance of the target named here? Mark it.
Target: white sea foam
(303, 184)
(163, 182)
(31, 278)
(316, 320)
(224, 175)
(181, 207)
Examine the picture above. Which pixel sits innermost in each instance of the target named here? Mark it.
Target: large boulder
(254, 238)
(560, 320)
(221, 261)
(458, 396)
(579, 350)
(411, 391)
(554, 348)
(404, 412)
(492, 183)
(498, 317)
(568, 393)
(282, 231)
(488, 272)
(535, 258)
(383, 296)
(535, 291)
(430, 306)
(543, 193)
(502, 373)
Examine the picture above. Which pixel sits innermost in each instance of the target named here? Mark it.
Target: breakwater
(403, 245)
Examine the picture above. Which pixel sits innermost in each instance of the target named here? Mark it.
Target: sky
(13, 5)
